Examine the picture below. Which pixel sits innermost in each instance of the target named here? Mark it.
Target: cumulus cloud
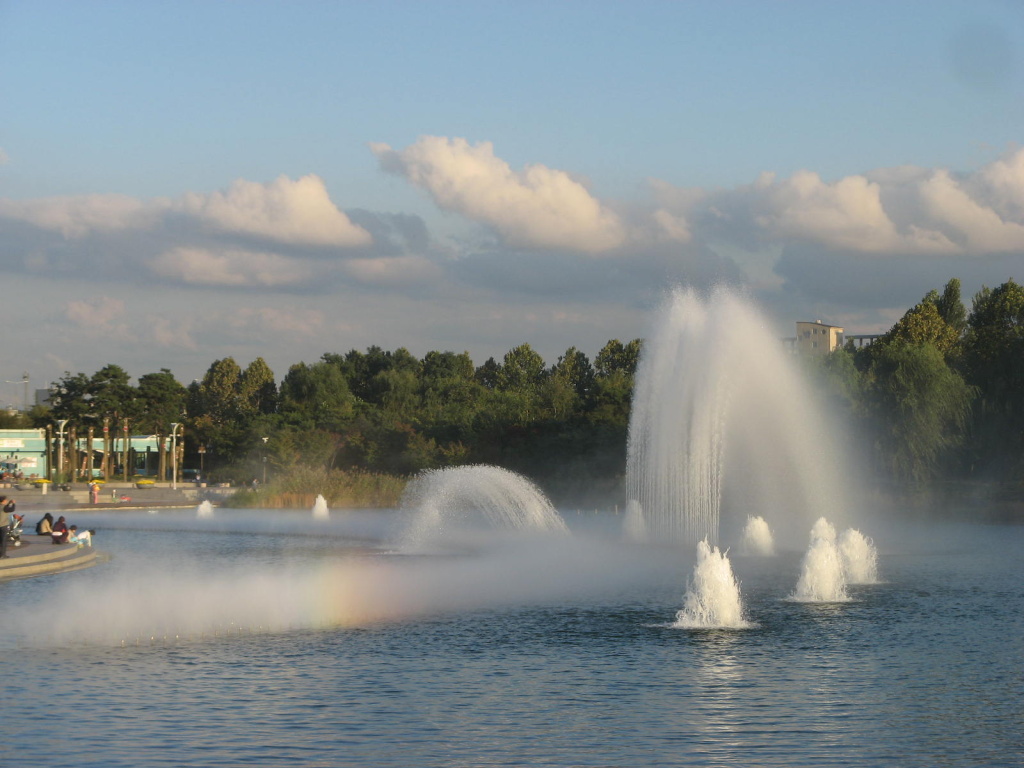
(890, 211)
(229, 268)
(75, 217)
(537, 207)
(284, 212)
(287, 211)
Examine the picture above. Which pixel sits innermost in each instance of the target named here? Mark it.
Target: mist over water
(723, 427)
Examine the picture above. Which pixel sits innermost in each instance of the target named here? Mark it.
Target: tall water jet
(463, 498)
(722, 421)
(320, 510)
(713, 598)
(860, 558)
(822, 579)
(757, 537)
(633, 522)
(205, 509)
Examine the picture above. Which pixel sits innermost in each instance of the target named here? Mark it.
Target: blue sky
(478, 175)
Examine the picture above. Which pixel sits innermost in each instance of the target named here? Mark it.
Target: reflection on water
(521, 653)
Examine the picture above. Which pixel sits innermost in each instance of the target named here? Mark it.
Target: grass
(299, 488)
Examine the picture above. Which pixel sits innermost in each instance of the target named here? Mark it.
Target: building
(34, 454)
(24, 451)
(817, 338)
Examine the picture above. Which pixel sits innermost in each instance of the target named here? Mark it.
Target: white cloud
(274, 322)
(299, 212)
(394, 271)
(230, 268)
(103, 317)
(97, 313)
(285, 212)
(537, 207)
(976, 225)
(75, 217)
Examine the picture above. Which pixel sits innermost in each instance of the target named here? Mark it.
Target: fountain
(757, 537)
(721, 420)
(713, 599)
(320, 510)
(860, 559)
(822, 579)
(463, 498)
(205, 509)
(823, 529)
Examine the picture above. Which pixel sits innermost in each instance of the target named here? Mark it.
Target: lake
(260, 638)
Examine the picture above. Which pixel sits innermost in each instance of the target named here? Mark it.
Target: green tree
(257, 390)
(161, 400)
(993, 360)
(921, 408)
(951, 308)
(316, 397)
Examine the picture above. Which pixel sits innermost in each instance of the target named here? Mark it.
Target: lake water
(273, 639)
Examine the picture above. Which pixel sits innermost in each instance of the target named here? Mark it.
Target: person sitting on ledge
(83, 539)
(59, 534)
(45, 526)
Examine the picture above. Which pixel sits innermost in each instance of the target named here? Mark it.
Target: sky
(186, 181)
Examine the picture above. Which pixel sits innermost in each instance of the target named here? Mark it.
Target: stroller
(14, 529)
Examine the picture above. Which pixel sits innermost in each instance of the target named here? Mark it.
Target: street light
(174, 455)
(202, 468)
(60, 449)
(264, 439)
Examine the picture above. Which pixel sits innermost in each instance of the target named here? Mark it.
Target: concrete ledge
(38, 556)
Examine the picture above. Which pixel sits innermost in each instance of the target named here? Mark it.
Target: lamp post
(264, 439)
(60, 449)
(202, 468)
(174, 455)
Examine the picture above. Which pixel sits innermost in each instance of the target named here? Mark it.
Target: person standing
(5, 526)
(94, 493)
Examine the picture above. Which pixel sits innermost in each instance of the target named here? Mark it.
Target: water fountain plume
(205, 509)
(454, 499)
(757, 537)
(713, 598)
(822, 579)
(721, 421)
(823, 529)
(860, 558)
(320, 509)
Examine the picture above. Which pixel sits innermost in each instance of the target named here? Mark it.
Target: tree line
(940, 395)
(378, 411)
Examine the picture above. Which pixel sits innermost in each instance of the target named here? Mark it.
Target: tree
(921, 407)
(214, 407)
(257, 390)
(316, 397)
(951, 308)
(993, 360)
(161, 401)
(922, 324)
(570, 383)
